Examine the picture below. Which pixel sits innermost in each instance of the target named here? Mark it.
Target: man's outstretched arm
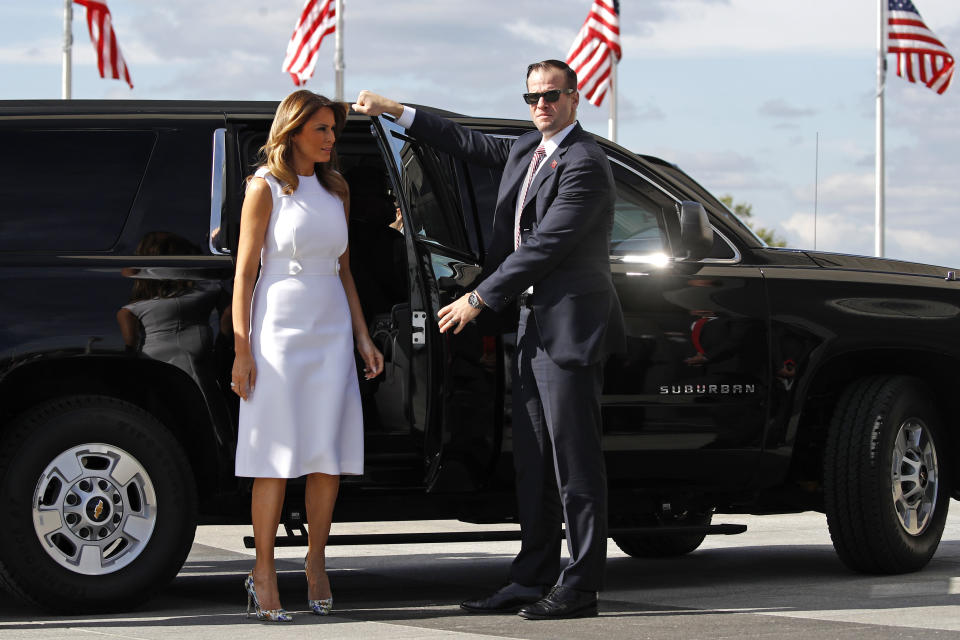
(371, 104)
(446, 135)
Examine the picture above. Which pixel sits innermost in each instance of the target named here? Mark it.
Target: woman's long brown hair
(292, 114)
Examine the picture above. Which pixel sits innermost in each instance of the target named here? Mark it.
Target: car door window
(639, 217)
(478, 188)
(429, 185)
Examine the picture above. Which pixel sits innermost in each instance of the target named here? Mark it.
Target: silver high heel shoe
(320, 607)
(266, 615)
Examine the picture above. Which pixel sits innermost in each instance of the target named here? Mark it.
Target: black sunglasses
(549, 96)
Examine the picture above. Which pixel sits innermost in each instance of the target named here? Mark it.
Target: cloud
(920, 242)
(723, 171)
(842, 234)
(842, 192)
(630, 111)
(718, 160)
(49, 51)
(44, 51)
(692, 28)
(779, 108)
(538, 33)
(914, 216)
(194, 41)
(833, 232)
(387, 47)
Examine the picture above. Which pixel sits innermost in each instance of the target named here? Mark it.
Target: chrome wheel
(94, 509)
(914, 475)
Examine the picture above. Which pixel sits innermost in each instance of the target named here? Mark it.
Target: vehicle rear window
(69, 190)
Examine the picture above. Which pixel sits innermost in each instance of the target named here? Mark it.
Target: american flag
(317, 20)
(920, 54)
(597, 41)
(109, 59)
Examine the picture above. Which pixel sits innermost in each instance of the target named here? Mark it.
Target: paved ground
(781, 579)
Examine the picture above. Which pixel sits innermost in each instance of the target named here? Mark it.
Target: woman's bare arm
(372, 358)
(254, 219)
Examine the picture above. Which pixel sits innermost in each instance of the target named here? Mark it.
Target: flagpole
(338, 53)
(880, 172)
(612, 124)
(65, 86)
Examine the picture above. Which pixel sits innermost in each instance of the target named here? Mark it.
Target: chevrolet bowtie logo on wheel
(97, 510)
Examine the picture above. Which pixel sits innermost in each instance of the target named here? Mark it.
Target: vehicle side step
(296, 536)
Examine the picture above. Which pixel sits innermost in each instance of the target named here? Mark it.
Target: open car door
(455, 381)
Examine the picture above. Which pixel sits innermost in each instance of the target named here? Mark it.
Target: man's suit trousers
(559, 464)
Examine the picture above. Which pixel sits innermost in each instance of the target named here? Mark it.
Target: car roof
(27, 108)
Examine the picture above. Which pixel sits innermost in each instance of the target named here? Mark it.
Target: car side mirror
(696, 234)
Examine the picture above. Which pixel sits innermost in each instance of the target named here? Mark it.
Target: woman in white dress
(295, 329)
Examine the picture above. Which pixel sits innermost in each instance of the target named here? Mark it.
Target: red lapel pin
(553, 165)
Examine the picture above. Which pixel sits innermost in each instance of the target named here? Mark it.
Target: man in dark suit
(549, 251)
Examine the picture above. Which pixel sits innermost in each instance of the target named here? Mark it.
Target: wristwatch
(475, 301)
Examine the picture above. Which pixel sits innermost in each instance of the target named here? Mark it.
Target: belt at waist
(301, 267)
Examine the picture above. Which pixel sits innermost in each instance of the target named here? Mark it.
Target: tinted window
(69, 190)
(478, 188)
(721, 248)
(638, 222)
(429, 185)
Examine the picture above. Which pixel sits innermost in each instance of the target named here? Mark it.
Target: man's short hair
(555, 64)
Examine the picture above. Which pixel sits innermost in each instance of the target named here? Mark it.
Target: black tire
(666, 545)
(860, 463)
(104, 478)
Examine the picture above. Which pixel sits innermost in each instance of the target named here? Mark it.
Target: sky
(769, 101)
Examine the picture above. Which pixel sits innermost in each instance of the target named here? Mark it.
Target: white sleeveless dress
(304, 414)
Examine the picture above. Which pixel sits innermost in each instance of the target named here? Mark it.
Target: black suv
(757, 380)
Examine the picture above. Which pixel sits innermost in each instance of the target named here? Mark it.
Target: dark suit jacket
(565, 223)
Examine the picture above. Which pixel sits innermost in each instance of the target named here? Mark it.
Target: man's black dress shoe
(508, 599)
(562, 602)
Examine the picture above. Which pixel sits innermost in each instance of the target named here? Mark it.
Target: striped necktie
(538, 157)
